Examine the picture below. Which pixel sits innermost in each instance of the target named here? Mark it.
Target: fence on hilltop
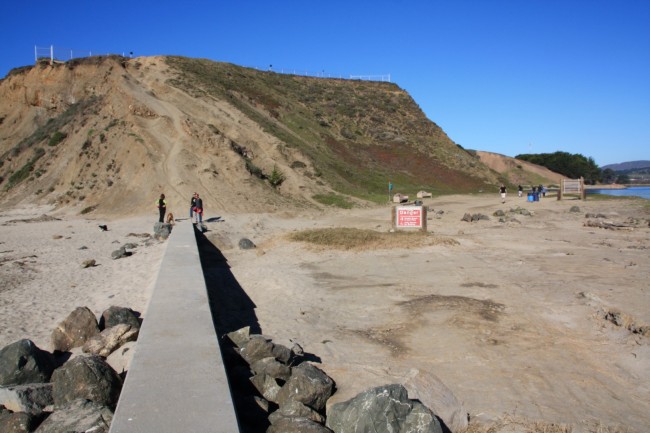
(54, 54)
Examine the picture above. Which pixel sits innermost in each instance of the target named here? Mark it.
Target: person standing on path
(162, 207)
(192, 205)
(502, 191)
(520, 190)
(198, 209)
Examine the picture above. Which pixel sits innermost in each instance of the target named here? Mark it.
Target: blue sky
(505, 76)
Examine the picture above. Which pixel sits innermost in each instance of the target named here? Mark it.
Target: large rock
(161, 231)
(385, 409)
(117, 315)
(435, 395)
(272, 367)
(294, 409)
(421, 385)
(308, 385)
(23, 362)
(282, 353)
(256, 348)
(266, 386)
(18, 422)
(78, 416)
(297, 425)
(75, 330)
(110, 339)
(86, 377)
(32, 398)
(120, 360)
(240, 337)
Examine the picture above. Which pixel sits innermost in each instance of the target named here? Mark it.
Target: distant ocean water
(638, 191)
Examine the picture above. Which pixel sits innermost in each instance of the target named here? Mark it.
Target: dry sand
(511, 319)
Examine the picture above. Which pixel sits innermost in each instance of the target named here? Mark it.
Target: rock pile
(470, 218)
(294, 394)
(53, 392)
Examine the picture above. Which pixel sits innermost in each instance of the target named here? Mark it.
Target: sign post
(410, 217)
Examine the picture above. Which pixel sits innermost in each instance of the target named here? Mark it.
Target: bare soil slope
(519, 172)
(109, 134)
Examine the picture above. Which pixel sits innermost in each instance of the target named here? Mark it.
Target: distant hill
(519, 172)
(625, 166)
(109, 134)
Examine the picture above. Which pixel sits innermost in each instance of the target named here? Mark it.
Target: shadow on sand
(232, 309)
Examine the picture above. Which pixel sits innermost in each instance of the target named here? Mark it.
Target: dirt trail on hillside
(538, 317)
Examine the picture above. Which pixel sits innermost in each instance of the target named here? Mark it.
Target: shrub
(56, 138)
(88, 209)
(276, 178)
(254, 170)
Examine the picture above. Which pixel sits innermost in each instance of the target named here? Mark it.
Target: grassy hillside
(111, 133)
(358, 134)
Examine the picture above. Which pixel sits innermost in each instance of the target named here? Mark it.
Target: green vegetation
(276, 178)
(24, 172)
(355, 134)
(136, 136)
(56, 138)
(335, 200)
(88, 209)
(358, 239)
(53, 125)
(570, 165)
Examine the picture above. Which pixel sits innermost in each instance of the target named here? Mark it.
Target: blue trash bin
(531, 197)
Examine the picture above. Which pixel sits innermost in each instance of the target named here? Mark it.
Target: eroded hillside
(110, 134)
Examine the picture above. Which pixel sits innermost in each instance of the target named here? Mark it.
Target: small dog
(170, 218)
(103, 228)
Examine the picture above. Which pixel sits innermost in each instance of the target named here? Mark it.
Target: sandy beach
(514, 317)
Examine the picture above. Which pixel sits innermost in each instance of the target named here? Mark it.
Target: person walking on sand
(162, 207)
(520, 190)
(502, 191)
(198, 209)
(192, 206)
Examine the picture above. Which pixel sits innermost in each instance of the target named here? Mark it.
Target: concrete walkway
(177, 381)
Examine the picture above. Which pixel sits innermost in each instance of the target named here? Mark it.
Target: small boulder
(574, 209)
(258, 347)
(246, 244)
(116, 315)
(295, 409)
(88, 263)
(110, 339)
(75, 330)
(23, 362)
(86, 377)
(240, 337)
(282, 353)
(161, 231)
(120, 360)
(267, 386)
(272, 367)
(121, 253)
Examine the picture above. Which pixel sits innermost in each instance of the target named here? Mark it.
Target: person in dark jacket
(162, 207)
(192, 205)
(198, 209)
